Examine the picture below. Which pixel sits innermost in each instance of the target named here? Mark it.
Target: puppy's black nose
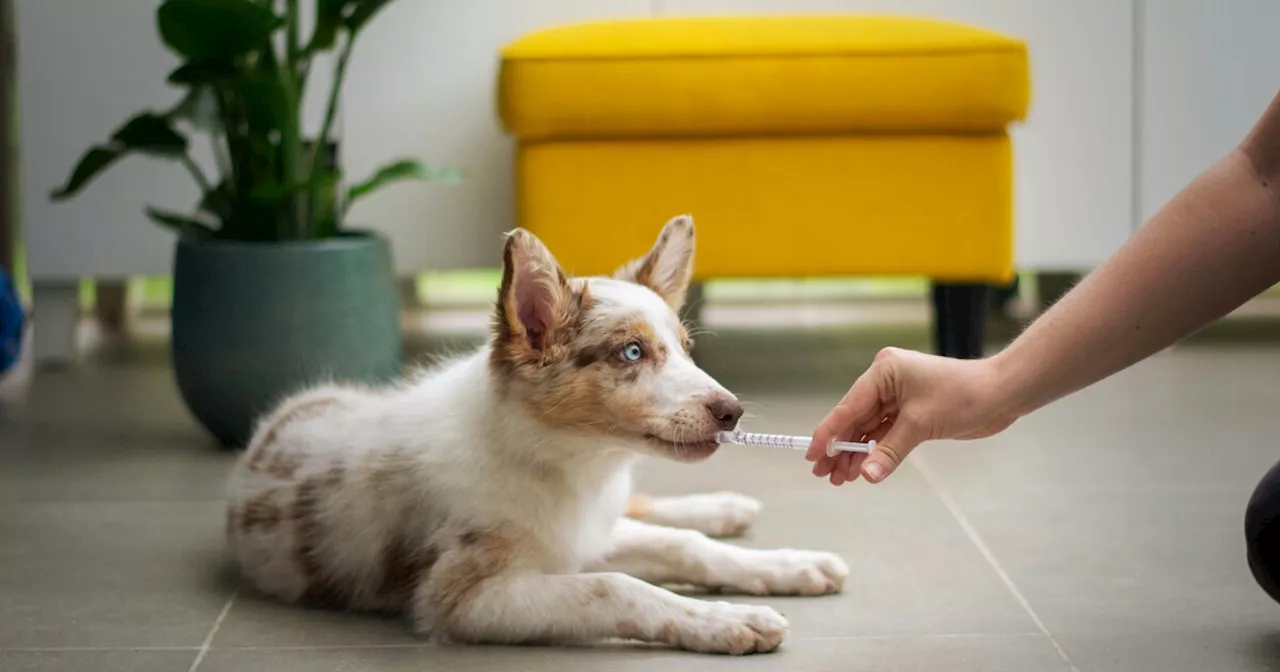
(726, 410)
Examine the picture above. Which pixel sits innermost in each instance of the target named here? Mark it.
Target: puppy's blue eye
(632, 352)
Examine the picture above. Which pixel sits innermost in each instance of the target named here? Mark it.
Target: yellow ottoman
(802, 146)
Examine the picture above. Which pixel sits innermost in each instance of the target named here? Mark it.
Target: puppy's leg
(525, 608)
(716, 514)
(666, 556)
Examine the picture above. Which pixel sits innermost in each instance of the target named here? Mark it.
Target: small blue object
(11, 323)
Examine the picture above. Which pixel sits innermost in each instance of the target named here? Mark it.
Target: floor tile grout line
(833, 638)
(429, 645)
(213, 632)
(922, 466)
(93, 649)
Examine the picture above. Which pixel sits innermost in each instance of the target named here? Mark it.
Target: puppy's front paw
(716, 514)
(786, 572)
(735, 629)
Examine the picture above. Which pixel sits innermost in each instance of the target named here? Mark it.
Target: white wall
(83, 68)
(421, 83)
(1209, 70)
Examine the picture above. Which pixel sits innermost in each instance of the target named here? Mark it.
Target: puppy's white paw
(716, 514)
(784, 572)
(735, 629)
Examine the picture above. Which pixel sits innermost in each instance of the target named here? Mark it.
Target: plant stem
(198, 175)
(331, 110)
(291, 131)
(206, 188)
(295, 31)
(222, 157)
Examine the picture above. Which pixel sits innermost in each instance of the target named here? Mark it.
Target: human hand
(904, 399)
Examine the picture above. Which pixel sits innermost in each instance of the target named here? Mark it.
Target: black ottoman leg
(1262, 533)
(959, 319)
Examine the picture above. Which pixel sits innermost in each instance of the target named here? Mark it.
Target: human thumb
(889, 453)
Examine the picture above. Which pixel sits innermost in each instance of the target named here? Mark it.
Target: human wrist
(1003, 381)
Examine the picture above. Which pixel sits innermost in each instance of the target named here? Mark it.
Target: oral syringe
(741, 438)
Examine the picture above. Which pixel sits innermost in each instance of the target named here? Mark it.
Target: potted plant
(271, 290)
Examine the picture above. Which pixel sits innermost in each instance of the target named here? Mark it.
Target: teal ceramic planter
(253, 322)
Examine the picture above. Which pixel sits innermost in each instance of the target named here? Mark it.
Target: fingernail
(874, 471)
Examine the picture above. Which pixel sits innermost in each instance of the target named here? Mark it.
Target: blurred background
(195, 269)
(1130, 99)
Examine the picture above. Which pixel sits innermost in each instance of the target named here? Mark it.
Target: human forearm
(1210, 249)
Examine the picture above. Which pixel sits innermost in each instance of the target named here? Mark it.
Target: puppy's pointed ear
(668, 267)
(535, 302)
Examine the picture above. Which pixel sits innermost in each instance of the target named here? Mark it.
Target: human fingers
(855, 466)
(841, 471)
(824, 466)
(859, 404)
(873, 434)
(901, 438)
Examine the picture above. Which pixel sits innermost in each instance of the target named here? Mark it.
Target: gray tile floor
(1101, 534)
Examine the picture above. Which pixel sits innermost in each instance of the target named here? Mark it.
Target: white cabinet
(1209, 69)
(1130, 99)
(422, 82)
(84, 66)
(1074, 181)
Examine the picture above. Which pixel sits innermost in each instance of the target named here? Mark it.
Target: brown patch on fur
(673, 283)
(261, 513)
(386, 472)
(514, 345)
(667, 631)
(322, 590)
(639, 507)
(462, 569)
(629, 629)
(641, 271)
(587, 354)
(259, 452)
(606, 347)
(568, 372)
(594, 391)
(283, 464)
(682, 334)
(404, 566)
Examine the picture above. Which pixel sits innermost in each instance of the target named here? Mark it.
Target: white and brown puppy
(490, 498)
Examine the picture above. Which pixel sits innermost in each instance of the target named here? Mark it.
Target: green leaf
(181, 224)
(399, 171)
(329, 19)
(218, 202)
(265, 100)
(94, 161)
(202, 30)
(147, 133)
(203, 72)
(363, 12)
(150, 133)
(213, 200)
(273, 192)
(199, 108)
